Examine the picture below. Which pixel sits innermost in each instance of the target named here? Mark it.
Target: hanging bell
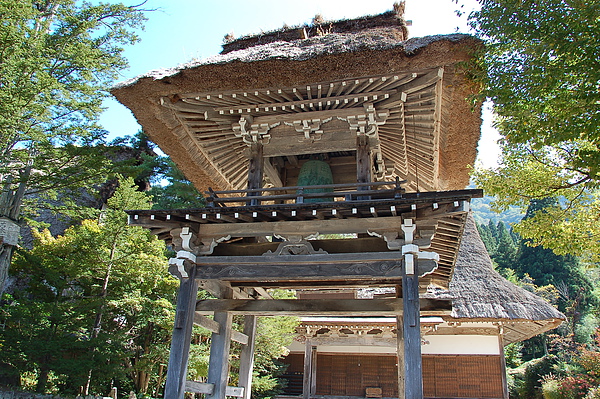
(315, 173)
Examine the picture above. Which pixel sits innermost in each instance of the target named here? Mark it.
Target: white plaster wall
(461, 345)
(436, 345)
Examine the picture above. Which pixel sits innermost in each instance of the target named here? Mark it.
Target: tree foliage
(57, 58)
(96, 298)
(542, 71)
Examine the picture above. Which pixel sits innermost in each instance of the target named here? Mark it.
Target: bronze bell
(315, 172)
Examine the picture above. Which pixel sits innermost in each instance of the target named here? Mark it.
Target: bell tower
(332, 159)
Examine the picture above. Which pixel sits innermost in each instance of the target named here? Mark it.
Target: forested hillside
(564, 361)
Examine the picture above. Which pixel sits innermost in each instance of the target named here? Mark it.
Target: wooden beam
(310, 360)
(387, 265)
(272, 173)
(413, 364)
(182, 336)
(302, 227)
(255, 168)
(400, 355)
(208, 389)
(213, 327)
(247, 355)
(319, 307)
(218, 368)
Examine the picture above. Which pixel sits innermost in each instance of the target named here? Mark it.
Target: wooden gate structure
(390, 117)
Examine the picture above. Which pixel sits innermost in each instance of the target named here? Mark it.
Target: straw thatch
(331, 57)
(480, 294)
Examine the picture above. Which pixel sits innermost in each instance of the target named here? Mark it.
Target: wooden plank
(181, 339)
(208, 389)
(247, 356)
(218, 368)
(306, 103)
(386, 265)
(213, 327)
(222, 289)
(272, 173)
(239, 337)
(309, 369)
(199, 387)
(207, 323)
(413, 366)
(318, 307)
(255, 168)
(302, 227)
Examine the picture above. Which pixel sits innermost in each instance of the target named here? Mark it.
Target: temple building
(334, 157)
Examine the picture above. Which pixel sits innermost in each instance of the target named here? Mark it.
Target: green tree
(57, 58)
(541, 70)
(178, 192)
(97, 298)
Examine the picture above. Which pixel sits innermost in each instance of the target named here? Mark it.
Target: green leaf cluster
(97, 301)
(542, 72)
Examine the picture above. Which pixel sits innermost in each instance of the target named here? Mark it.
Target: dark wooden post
(218, 368)
(247, 356)
(413, 365)
(182, 336)
(363, 160)
(400, 348)
(363, 164)
(310, 363)
(505, 394)
(255, 170)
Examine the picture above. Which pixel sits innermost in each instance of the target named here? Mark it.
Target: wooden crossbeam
(213, 327)
(304, 228)
(319, 307)
(368, 265)
(208, 389)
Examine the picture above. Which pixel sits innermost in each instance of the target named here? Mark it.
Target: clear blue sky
(181, 30)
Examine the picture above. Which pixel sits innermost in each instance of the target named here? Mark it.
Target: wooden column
(247, 356)
(505, 394)
(413, 365)
(363, 162)
(218, 367)
(255, 169)
(400, 349)
(310, 363)
(182, 336)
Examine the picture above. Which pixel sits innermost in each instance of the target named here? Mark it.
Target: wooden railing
(299, 194)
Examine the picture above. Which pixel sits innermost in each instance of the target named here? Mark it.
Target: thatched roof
(481, 294)
(429, 139)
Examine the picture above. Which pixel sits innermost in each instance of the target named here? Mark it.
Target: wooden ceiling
(400, 112)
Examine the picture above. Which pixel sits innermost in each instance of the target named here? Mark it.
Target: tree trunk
(42, 380)
(10, 207)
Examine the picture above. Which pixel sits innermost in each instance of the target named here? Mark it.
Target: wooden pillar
(310, 363)
(505, 394)
(182, 336)
(247, 356)
(255, 169)
(413, 364)
(363, 162)
(218, 367)
(400, 349)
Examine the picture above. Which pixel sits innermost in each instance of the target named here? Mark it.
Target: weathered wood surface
(310, 365)
(218, 368)
(302, 227)
(413, 366)
(208, 389)
(213, 327)
(306, 267)
(319, 307)
(247, 356)
(181, 339)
